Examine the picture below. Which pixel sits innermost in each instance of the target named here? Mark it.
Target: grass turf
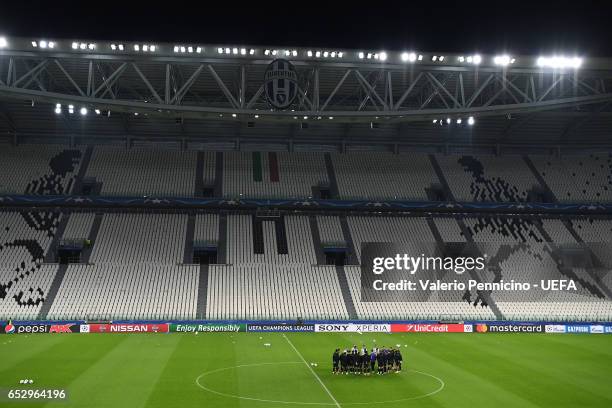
(144, 370)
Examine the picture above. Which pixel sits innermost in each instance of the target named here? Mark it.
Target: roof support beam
(147, 83)
(221, 84)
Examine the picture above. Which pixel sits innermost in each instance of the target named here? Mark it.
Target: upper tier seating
(487, 178)
(143, 172)
(49, 169)
(577, 179)
(38, 169)
(273, 175)
(376, 175)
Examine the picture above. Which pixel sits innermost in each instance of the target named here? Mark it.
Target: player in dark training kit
(336, 361)
(360, 361)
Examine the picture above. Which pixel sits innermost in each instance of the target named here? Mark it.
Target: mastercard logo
(482, 328)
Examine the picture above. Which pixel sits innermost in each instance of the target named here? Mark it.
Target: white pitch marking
(312, 371)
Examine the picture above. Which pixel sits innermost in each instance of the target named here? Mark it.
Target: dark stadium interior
(378, 205)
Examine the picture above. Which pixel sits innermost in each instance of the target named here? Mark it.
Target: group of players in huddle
(360, 361)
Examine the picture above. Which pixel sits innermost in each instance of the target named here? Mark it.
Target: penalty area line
(312, 371)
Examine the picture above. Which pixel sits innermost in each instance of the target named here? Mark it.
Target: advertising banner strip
(352, 328)
(280, 328)
(428, 328)
(510, 328)
(207, 328)
(129, 328)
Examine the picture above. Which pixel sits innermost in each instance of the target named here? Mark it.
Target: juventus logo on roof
(280, 83)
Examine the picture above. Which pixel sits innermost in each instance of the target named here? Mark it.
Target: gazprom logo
(280, 84)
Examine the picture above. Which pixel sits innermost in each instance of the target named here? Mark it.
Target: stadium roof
(195, 93)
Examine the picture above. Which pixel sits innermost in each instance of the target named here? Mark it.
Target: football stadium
(195, 224)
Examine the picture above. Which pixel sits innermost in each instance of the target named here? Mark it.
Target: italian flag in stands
(258, 167)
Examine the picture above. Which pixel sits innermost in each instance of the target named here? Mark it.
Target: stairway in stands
(281, 236)
(202, 292)
(331, 176)
(86, 159)
(92, 237)
(52, 293)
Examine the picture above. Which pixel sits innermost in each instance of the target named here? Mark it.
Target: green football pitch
(275, 370)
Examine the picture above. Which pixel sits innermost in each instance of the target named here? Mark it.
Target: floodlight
(471, 120)
(83, 111)
(3, 42)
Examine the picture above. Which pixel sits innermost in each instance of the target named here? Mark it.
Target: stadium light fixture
(332, 54)
(441, 58)
(477, 59)
(435, 121)
(459, 120)
(461, 58)
(340, 54)
(256, 116)
(560, 62)
(274, 52)
(136, 47)
(43, 44)
(83, 111)
(220, 51)
(325, 54)
(234, 50)
(91, 46)
(58, 108)
(448, 121)
(434, 58)
(503, 60)
(383, 56)
(97, 111)
(420, 58)
(309, 53)
(243, 51)
(361, 55)
(3, 42)
(176, 48)
(199, 50)
(227, 50)
(75, 45)
(234, 115)
(251, 51)
(34, 44)
(145, 48)
(471, 121)
(71, 109)
(331, 118)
